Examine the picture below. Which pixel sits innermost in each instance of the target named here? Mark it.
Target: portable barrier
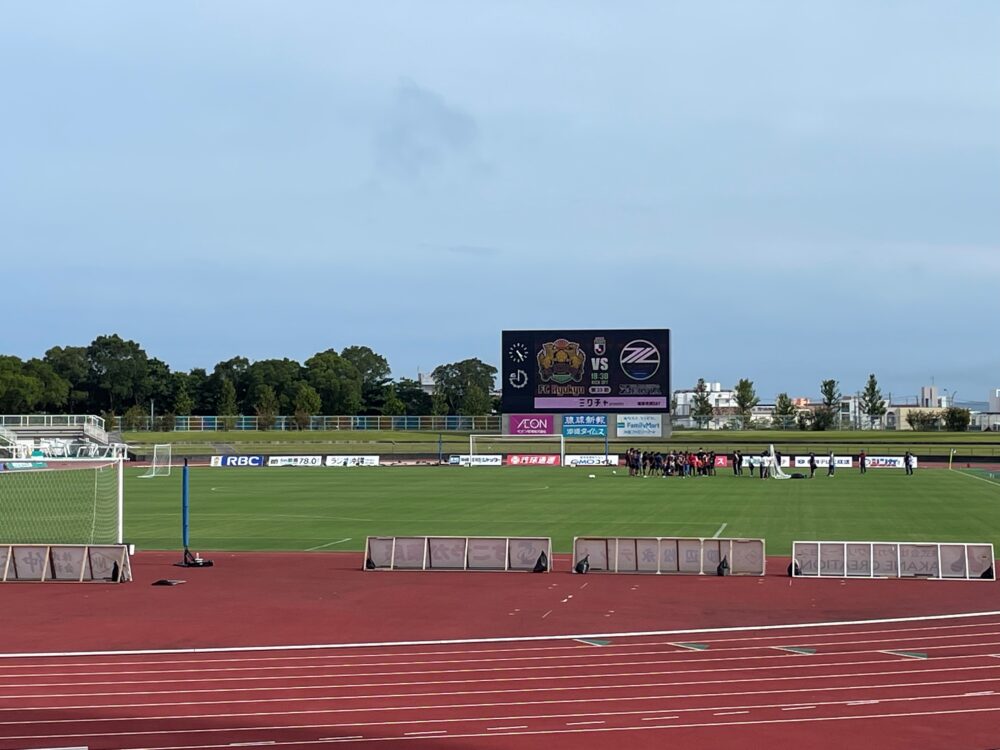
(670, 555)
(458, 553)
(953, 561)
(43, 563)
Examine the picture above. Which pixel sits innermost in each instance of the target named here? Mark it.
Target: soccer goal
(160, 465)
(541, 450)
(774, 467)
(69, 501)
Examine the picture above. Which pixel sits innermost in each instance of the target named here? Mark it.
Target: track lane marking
(500, 639)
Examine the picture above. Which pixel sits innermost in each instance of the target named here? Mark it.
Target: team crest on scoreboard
(561, 361)
(640, 359)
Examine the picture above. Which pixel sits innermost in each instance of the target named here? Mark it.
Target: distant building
(426, 382)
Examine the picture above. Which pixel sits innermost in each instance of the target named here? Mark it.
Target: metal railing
(51, 420)
(317, 423)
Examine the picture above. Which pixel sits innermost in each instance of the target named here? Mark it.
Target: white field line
(328, 544)
(502, 639)
(719, 531)
(973, 476)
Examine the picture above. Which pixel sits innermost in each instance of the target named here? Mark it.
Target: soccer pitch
(335, 509)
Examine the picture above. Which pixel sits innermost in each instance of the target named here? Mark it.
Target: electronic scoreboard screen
(593, 370)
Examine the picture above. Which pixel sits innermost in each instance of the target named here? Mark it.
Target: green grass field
(331, 509)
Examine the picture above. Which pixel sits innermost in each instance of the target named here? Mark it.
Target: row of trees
(116, 376)
(824, 416)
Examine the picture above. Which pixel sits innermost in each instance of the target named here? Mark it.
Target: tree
(476, 402)
(957, 419)
(923, 420)
(118, 369)
(701, 408)
(784, 411)
(54, 389)
(872, 404)
(392, 404)
(283, 375)
(71, 364)
(307, 404)
(454, 380)
(237, 372)
(439, 404)
(227, 408)
(133, 418)
(416, 401)
(19, 392)
(337, 382)
(374, 370)
(266, 406)
(746, 400)
(825, 416)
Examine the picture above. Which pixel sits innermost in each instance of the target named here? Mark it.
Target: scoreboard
(586, 371)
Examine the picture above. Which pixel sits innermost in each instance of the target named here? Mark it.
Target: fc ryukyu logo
(561, 361)
(640, 359)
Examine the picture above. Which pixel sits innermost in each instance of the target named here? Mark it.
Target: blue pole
(184, 504)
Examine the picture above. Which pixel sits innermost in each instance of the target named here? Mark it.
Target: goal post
(160, 465)
(69, 501)
(490, 444)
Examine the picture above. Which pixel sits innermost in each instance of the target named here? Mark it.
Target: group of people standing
(698, 463)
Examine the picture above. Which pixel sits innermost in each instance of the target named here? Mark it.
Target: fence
(318, 423)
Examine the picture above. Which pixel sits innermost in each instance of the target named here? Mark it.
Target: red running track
(929, 683)
(517, 693)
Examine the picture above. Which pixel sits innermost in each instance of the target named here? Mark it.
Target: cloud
(421, 131)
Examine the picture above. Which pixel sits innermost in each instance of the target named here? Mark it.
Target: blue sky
(799, 191)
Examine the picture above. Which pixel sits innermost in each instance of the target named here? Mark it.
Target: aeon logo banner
(531, 424)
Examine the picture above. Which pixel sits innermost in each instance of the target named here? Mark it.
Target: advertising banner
(640, 425)
(24, 465)
(483, 459)
(294, 460)
(597, 459)
(590, 370)
(533, 459)
(531, 424)
(785, 462)
(841, 462)
(237, 461)
(890, 462)
(348, 461)
(585, 425)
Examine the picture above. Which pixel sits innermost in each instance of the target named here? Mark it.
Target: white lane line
(798, 708)
(501, 639)
(861, 703)
(719, 531)
(342, 739)
(981, 692)
(547, 614)
(729, 713)
(659, 718)
(582, 723)
(328, 544)
(429, 731)
(505, 729)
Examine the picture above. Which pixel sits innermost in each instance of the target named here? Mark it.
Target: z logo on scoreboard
(640, 359)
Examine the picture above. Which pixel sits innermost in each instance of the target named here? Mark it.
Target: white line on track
(806, 708)
(505, 729)
(719, 531)
(502, 639)
(443, 720)
(328, 544)
(750, 722)
(664, 718)
(729, 713)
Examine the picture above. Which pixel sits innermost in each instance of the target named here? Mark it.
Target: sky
(799, 191)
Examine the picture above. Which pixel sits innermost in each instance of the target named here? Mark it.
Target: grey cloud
(422, 130)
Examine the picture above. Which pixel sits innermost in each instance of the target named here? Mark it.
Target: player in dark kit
(812, 465)
(908, 462)
(863, 462)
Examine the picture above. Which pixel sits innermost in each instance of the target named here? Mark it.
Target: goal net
(160, 465)
(550, 447)
(774, 466)
(71, 501)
